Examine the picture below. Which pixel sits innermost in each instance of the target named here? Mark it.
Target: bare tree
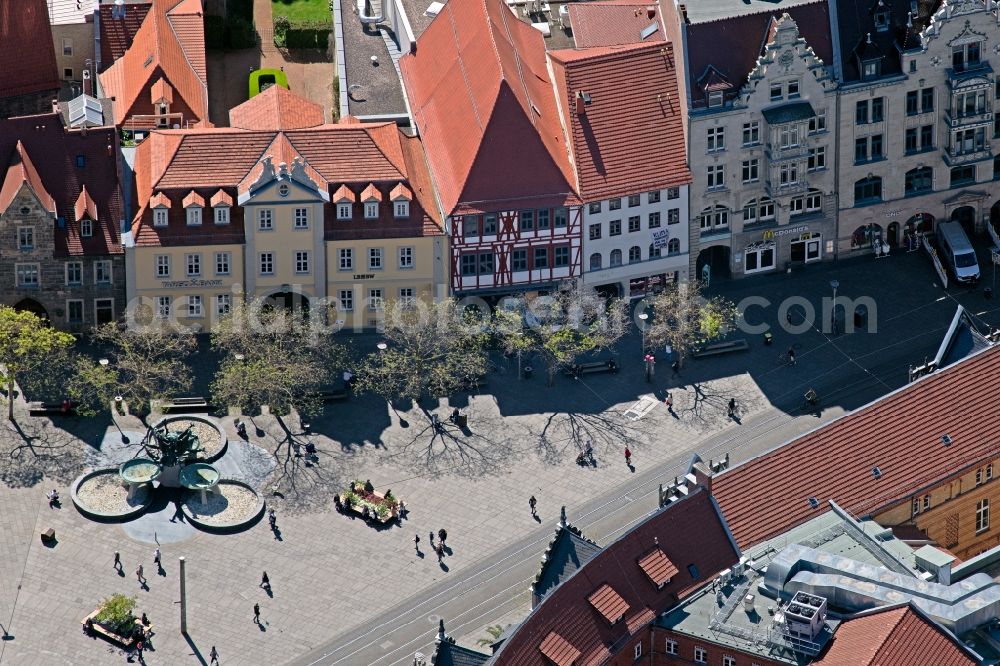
(143, 364)
(561, 327)
(272, 357)
(431, 349)
(686, 319)
(26, 344)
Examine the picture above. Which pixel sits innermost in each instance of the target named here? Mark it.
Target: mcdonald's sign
(769, 235)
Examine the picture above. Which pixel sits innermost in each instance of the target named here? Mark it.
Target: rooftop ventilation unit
(804, 615)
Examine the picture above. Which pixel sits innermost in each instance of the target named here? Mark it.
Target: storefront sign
(364, 276)
(895, 212)
(661, 237)
(772, 233)
(190, 284)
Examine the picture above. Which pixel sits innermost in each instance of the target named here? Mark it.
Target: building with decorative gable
(760, 137)
(340, 217)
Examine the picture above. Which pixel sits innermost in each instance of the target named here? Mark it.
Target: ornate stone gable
(783, 51)
(951, 9)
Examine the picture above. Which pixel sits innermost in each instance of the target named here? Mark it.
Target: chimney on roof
(87, 83)
(118, 11)
(651, 12)
(55, 106)
(703, 475)
(583, 100)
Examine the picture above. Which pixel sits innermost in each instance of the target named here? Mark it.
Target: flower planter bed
(107, 634)
(370, 505)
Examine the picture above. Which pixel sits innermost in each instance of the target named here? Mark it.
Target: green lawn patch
(302, 11)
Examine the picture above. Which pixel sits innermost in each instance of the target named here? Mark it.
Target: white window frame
(192, 264)
(162, 266)
(195, 306)
(267, 257)
(407, 297)
(163, 306)
(79, 267)
(26, 238)
(302, 264)
(983, 515)
(86, 227)
(160, 217)
(716, 176)
(401, 209)
(638, 650)
(223, 260)
(700, 655)
(300, 218)
(818, 157)
(346, 304)
(371, 210)
(671, 646)
(376, 298)
(222, 215)
(100, 266)
(728, 660)
(715, 138)
(343, 211)
(375, 259)
(223, 304)
(751, 133)
(345, 259)
(265, 219)
(751, 170)
(406, 257)
(194, 216)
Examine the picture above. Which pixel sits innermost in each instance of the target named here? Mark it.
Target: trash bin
(768, 338)
(527, 371)
(462, 421)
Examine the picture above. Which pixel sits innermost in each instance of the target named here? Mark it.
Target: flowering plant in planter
(363, 498)
(115, 614)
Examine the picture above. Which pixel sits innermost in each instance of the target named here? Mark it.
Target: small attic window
(86, 228)
(870, 69)
(715, 98)
(693, 571)
(813, 502)
(876, 472)
(881, 17)
(946, 439)
(81, 161)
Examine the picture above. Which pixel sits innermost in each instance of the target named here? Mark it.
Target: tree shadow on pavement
(35, 447)
(566, 434)
(306, 483)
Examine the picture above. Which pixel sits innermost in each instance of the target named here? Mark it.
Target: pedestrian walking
(271, 518)
(669, 402)
(213, 657)
(156, 558)
(430, 535)
(732, 408)
(532, 502)
(442, 535)
(118, 561)
(440, 552)
(256, 613)
(628, 457)
(138, 651)
(265, 582)
(791, 356)
(676, 369)
(416, 542)
(138, 574)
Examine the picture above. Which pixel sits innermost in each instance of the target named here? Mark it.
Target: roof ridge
(517, 64)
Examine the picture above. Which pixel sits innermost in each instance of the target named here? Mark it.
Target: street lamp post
(118, 404)
(643, 318)
(833, 311)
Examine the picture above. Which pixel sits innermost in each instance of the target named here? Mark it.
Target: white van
(957, 252)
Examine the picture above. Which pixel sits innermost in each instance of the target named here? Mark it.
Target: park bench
(591, 367)
(125, 641)
(718, 348)
(50, 408)
(191, 404)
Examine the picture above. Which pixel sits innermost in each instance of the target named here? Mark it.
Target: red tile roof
(555, 648)
(161, 90)
(615, 22)
(344, 194)
(156, 52)
(690, 532)
(743, 37)
(193, 199)
(371, 193)
(85, 206)
(27, 42)
(630, 137)
(898, 636)
(769, 494)
(20, 171)
(220, 198)
(608, 603)
(276, 108)
(218, 163)
(479, 89)
(186, 20)
(117, 34)
(42, 153)
(401, 193)
(658, 566)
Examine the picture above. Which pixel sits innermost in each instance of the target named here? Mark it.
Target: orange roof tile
(555, 648)
(27, 43)
(371, 193)
(276, 108)
(220, 198)
(958, 401)
(159, 200)
(161, 91)
(85, 206)
(898, 636)
(658, 567)
(193, 199)
(630, 137)
(401, 193)
(20, 171)
(615, 22)
(608, 603)
(117, 34)
(155, 52)
(483, 102)
(187, 22)
(344, 194)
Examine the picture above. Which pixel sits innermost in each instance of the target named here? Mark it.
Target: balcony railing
(968, 71)
(776, 153)
(960, 119)
(955, 157)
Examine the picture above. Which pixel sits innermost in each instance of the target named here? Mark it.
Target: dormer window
(401, 209)
(371, 198)
(194, 216)
(343, 211)
(400, 197)
(793, 90)
(222, 214)
(221, 204)
(86, 228)
(870, 69)
(160, 217)
(881, 17)
(371, 210)
(715, 98)
(193, 205)
(344, 199)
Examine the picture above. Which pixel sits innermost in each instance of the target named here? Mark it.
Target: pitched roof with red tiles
(479, 89)
(899, 636)
(186, 20)
(742, 38)
(630, 137)
(27, 40)
(37, 150)
(770, 494)
(156, 51)
(276, 108)
(117, 34)
(615, 22)
(172, 165)
(690, 532)
(21, 171)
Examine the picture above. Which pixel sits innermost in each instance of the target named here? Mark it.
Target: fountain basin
(199, 476)
(139, 470)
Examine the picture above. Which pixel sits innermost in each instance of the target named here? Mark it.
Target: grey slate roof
(568, 551)
(449, 654)
(787, 113)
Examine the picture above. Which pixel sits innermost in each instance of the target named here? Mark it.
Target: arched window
(634, 254)
(868, 190)
(714, 217)
(595, 261)
(616, 258)
(654, 251)
(919, 180)
(674, 246)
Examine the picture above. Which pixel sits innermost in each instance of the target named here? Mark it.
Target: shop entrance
(808, 249)
(717, 259)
